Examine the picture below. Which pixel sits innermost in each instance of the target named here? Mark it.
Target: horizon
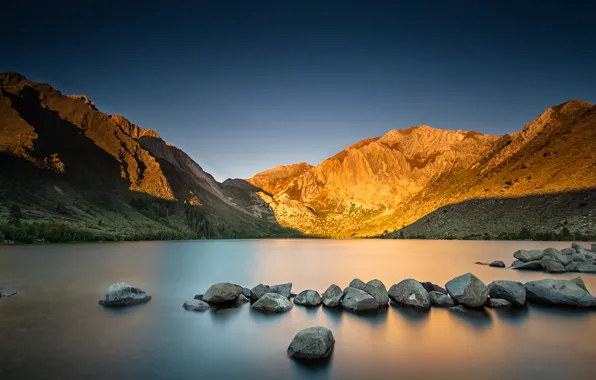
(246, 88)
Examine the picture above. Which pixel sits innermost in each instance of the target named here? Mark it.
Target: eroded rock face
(122, 294)
(357, 300)
(258, 292)
(312, 343)
(357, 284)
(332, 296)
(440, 300)
(532, 255)
(309, 298)
(223, 292)
(379, 292)
(410, 293)
(196, 305)
(468, 290)
(558, 292)
(272, 303)
(283, 289)
(512, 291)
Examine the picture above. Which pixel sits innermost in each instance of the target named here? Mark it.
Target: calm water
(54, 328)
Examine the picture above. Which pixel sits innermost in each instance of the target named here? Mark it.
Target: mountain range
(68, 168)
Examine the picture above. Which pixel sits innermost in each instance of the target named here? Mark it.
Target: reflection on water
(54, 328)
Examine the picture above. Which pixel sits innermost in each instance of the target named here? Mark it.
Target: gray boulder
(512, 291)
(553, 266)
(440, 300)
(243, 298)
(580, 282)
(379, 292)
(498, 303)
(557, 255)
(198, 297)
(532, 255)
(246, 292)
(312, 343)
(259, 291)
(584, 267)
(481, 263)
(497, 264)
(357, 283)
(357, 300)
(516, 263)
(577, 257)
(430, 287)
(530, 265)
(468, 290)
(196, 305)
(593, 247)
(577, 246)
(272, 303)
(221, 293)
(283, 289)
(568, 251)
(410, 293)
(332, 296)
(558, 292)
(121, 294)
(308, 298)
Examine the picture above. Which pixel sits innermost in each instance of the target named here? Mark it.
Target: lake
(54, 328)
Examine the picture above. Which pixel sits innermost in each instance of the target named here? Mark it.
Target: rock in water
(430, 287)
(498, 303)
(357, 300)
(242, 298)
(258, 292)
(525, 256)
(440, 300)
(332, 296)
(568, 251)
(196, 305)
(357, 284)
(272, 303)
(410, 293)
(223, 292)
(379, 292)
(553, 266)
(497, 264)
(283, 289)
(580, 282)
(246, 292)
(198, 297)
(530, 265)
(593, 247)
(581, 267)
(312, 343)
(557, 255)
(308, 298)
(558, 292)
(121, 294)
(512, 291)
(468, 290)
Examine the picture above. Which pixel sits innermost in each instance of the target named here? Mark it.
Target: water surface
(54, 328)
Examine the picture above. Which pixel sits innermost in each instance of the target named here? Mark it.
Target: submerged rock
(558, 292)
(497, 264)
(308, 298)
(258, 291)
(530, 265)
(357, 284)
(379, 292)
(198, 297)
(242, 298)
(557, 255)
(272, 303)
(223, 292)
(553, 266)
(584, 267)
(440, 300)
(430, 287)
(121, 294)
(196, 305)
(512, 291)
(410, 293)
(283, 289)
(498, 303)
(312, 343)
(568, 251)
(246, 292)
(357, 300)
(468, 290)
(525, 256)
(332, 296)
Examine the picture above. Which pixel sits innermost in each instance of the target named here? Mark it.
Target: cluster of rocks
(552, 260)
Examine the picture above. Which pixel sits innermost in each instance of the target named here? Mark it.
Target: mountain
(429, 182)
(68, 168)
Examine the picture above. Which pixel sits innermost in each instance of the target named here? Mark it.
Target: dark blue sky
(244, 86)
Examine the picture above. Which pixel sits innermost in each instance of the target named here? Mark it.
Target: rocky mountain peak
(131, 129)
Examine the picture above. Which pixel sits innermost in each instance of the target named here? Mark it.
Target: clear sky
(247, 85)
